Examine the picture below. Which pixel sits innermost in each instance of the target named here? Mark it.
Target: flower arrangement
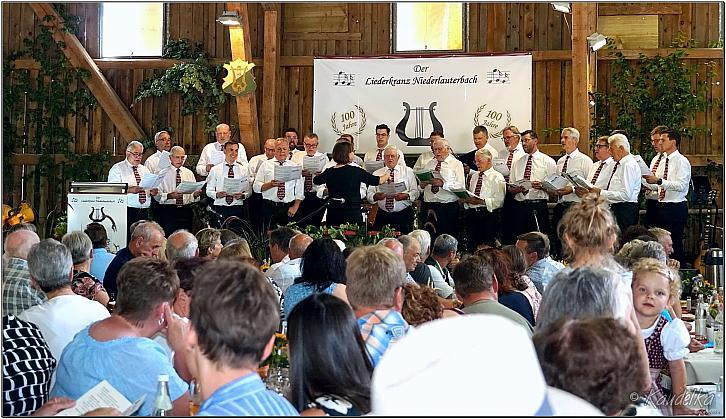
(353, 235)
(278, 358)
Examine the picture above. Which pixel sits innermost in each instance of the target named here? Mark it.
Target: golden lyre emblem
(239, 80)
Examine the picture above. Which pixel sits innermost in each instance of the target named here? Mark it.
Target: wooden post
(271, 68)
(584, 22)
(239, 41)
(107, 97)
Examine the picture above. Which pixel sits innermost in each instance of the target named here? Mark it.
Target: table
(704, 366)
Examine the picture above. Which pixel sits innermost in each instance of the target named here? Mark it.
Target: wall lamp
(229, 18)
(597, 41)
(562, 7)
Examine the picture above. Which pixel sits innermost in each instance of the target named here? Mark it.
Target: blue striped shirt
(246, 396)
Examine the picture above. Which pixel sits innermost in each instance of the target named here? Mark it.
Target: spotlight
(230, 18)
(597, 41)
(562, 7)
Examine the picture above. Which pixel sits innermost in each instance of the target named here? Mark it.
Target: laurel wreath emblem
(362, 122)
(496, 134)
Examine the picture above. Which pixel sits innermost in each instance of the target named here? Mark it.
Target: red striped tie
(477, 189)
(435, 189)
(389, 199)
(281, 188)
(180, 200)
(528, 168)
(308, 181)
(612, 175)
(142, 194)
(661, 194)
(597, 172)
(509, 159)
(564, 166)
(379, 156)
(230, 174)
(657, 162)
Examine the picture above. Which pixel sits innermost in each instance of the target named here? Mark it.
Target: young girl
(654, 284)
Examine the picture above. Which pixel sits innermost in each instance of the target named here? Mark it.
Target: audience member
(507, 294)
(209, 243)
(540, 266)
(411, 255)
(375, 278)
(84, 283)
(147, 240)
(280, 246)
(421, 305)
(227, 235)
(665, 239)
(286, 273)
(322, 271)
(65, 313)
(637, 249)
(181, 244)
(477, 288)
(101, 256)
(442, 254)
(18, 292)
(233, 317)
(636, 231)
(520, 280)
(119, 349)
(320, 384)
(422, 274)
(235, 250)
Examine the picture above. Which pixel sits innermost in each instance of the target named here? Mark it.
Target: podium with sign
(99, 202)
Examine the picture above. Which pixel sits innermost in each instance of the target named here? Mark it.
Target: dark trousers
(274, 214)
(227, 211)
(310, 204)
(672, 216)
(557, 213)
(508, 217)
(133, 215)
(626, 214)
(173, 218)
(342, 215)
(254, 208)
(482, 227)
(651, 212)
(441, 218)
(401, 220)
(531, 215)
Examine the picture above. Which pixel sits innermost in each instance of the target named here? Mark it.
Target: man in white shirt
(162, 140)
(207, 159)
(530, 207)
(651, 192)
(280, 200)
(64, 313)
(267, 154)
(254, 202)
(511, 138)
(285, 274)
(318, 160)
(480, 136)
(574, 163)
(291, 135)
(130, 171)
(229, 204)
(482, 211)
(394, 209)
(598, 174)
(382, 136)
(175, 207)
(671, 181)
(440, 207)
(427, 155)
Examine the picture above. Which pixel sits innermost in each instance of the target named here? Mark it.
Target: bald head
(394, 245)
(18, 243)
(181, 245)
(298, 244)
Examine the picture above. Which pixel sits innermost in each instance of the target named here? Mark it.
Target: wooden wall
(351, 29)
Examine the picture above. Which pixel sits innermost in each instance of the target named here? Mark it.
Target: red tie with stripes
(230, 174)
(528, 168)
(281, 188)
(142, 194)
(389, 199)
(597, 173)
(564, 166)
(379, 156)
(308, 181)
(477, 189)
(661, 194)
(509, 159)
(435, 189)
(180, 200)
(657, 162)
(612, 175)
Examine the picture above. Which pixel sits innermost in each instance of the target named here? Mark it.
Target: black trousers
(401, 220)
(133, 215)
(672, 216)
(651, 212)
(310, 204)
(626, 214)
(342, 215)
(508, 217)
(254, 210)
(173, 218)
(531, 215)
(482, 227)
(274, 214)
(441, 218)
(227, 211)
(557, 213)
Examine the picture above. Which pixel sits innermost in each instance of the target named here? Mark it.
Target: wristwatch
(660, 181)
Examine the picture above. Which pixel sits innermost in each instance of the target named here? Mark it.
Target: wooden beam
(584, 17)
(107, 97)
(615, 9)
(322, 36)
(270, 122)
(239, 41)
(634, 54)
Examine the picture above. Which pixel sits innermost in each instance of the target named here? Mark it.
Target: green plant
(196, 80)
(653, 91)
(353, 235)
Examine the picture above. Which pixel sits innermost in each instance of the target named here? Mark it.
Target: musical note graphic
(497, 76)
(343, 79)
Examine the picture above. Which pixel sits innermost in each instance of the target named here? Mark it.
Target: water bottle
(718, 331)
(700, 319)
(162, 402)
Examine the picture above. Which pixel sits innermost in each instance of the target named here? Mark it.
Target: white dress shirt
(494, 151)
(215, 182)
(679, 177)
(651, 190)
(152, 162)
(285, 274)
(298, 158)
(602, 177)
(580, 164)
(423, 158)
(625, 183)
(168, 184)
(266, 173)
(444, 286)
(256, 162)
(206, 156)
(452, 172)
(122, 172)
(371, 156)
(493, 189)
(542, 167)
(400, 174)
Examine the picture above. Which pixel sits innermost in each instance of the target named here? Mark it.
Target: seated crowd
(377, 329)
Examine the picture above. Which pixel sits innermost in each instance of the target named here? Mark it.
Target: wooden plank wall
(353, 29)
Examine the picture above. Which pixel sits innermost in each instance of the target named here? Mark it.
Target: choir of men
(504, 190)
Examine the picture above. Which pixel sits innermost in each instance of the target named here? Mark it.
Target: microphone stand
(325, 205)
(536, 221)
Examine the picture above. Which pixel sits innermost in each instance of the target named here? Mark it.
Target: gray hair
(619, 140)
(158, 134)
(424, 239)
(181, 244)
(444, 244)
(406, 241)
(146, 230)
(483, 152)
(50, 264)
(177, 147)
(134, 144)
(472, 275)
(373, 273)
(574, 133)
(637, 249)
(579, 293)
(79, 244)
(390, 147)
(660, 233)
(18, 243)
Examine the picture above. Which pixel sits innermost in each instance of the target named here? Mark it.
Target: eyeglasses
(602, 145)
(137, 155)
(310, 145)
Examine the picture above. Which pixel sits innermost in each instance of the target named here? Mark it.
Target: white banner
(415, 96)
(107, 209)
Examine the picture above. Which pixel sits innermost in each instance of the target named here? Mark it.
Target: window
(429, 27)
(132, 29)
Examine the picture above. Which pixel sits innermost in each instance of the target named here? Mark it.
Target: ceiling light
(229, 18)
(597, 41)
(562, 7)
